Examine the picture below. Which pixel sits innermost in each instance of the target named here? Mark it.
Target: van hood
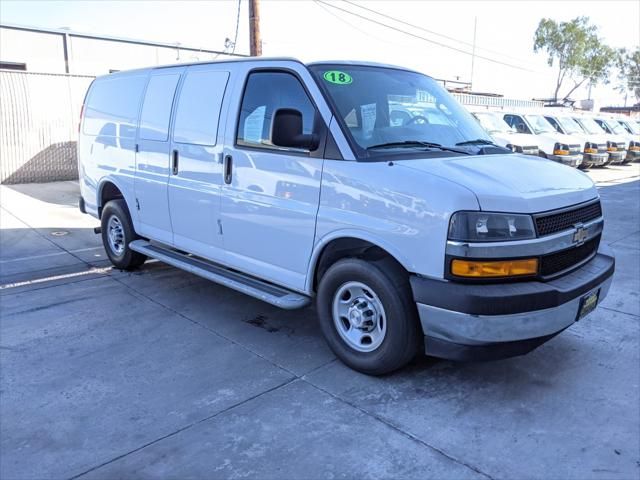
(511, 182)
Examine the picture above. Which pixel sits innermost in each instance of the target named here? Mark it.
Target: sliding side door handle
(228, 169)
(174, 162)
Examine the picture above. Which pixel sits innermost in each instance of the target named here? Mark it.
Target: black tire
(126, 259)
(403, 337)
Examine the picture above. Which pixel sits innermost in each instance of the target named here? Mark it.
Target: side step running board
(267, 292)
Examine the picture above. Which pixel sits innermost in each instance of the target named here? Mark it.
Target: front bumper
(617, 157)
(490, 321)
(570, 160)
(595, 159)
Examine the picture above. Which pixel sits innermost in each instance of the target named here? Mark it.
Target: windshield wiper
(477, 141)
(416, 143)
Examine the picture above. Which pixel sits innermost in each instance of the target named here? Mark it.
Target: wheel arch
(349, 244)
(109, 189)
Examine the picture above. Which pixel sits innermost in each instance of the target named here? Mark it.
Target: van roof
(261, 60)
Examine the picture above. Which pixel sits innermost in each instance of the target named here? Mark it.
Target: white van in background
(633, 129)
(503, 134)
(594, 152)
(619, 134)
(590, 126)
(555, 146)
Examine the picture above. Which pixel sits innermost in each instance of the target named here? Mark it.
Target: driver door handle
(228, 169)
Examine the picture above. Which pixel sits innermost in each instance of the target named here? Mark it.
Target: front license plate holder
(588, 304)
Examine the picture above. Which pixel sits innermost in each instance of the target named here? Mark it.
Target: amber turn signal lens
(561, 152)
(590, 150)
(499, 268)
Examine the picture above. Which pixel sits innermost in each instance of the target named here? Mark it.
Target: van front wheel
(368, 316)
(117, 233)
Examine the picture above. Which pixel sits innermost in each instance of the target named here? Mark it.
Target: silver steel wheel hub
(359, 316)
(115, 235)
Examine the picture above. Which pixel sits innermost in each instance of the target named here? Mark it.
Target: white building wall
(42, 52)
(97, 57)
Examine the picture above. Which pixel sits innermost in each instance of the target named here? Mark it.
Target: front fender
(321, 243)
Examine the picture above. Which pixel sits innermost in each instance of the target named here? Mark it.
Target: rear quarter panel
(107, 140)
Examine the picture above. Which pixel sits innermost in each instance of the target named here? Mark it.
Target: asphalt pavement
(161, 374)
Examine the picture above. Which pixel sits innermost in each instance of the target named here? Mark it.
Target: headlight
(490, 227)
(612, 147)
(514, 148)
(634, 146)
(561, 149)
(590, 147)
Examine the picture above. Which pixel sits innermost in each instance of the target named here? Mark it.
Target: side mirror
(286, 130)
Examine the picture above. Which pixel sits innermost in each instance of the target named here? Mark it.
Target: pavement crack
(49, 240)
(624, 238)
(399, 430)
(618, 311)
(186, 427)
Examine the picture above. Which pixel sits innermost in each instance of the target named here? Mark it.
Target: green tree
(629, 72)
(577, 51)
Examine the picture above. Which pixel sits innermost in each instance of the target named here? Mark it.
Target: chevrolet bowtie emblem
(580, 235)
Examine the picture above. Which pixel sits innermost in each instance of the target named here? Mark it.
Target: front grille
(530, 150)
(546, 224)
(574, 148)
(557, 262)
(602, 147)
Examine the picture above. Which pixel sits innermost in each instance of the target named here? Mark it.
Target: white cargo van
(555, 146)
(594, 145)
(293, 182)
(615, 146)
(633, 130)
(504, 134)
(619, 134)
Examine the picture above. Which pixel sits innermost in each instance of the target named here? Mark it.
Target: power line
(430, 31)
(235, 38)
(364, 32)
(423, 38)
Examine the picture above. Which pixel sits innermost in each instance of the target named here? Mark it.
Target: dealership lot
(158, 373)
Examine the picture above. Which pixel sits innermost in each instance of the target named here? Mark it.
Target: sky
(333, 29)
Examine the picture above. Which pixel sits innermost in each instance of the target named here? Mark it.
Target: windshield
(614, 126)
(590, 125)
(539, 124)
(493, 123)
(378, 106)
(634, 128)
(569, 125)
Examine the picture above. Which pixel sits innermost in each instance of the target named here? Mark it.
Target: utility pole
(255, 42)
(473, 55)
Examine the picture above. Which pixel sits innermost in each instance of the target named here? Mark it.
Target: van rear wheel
(368, 316)
(117, 233)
